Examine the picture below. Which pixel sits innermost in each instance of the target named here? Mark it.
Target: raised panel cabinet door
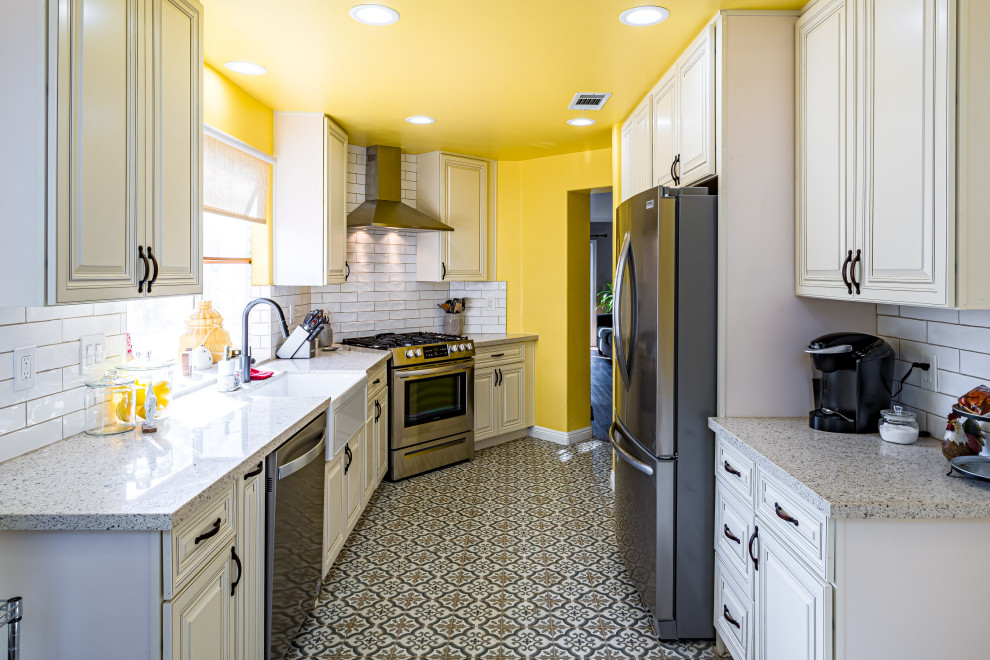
(512, 397)
(250, 592)
(335, 142)
(370, 455)
(696, 111)
(200, 620)
(907, 105)
(175, 231)
(485, 405)
(793, 607)
(642, 146)
(354, 476)
(99, 218)
(381, 431)
(825, 119)
(625, 160)
(665, 130)
(334, 498)
(464, 186)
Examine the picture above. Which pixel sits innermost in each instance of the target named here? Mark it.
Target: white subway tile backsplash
(42, 410)
(901, 328)
(58, 312)
(30, 334)
(960, 341)
(12, 418)
(73, 329)
(29, 439)
(10, 315)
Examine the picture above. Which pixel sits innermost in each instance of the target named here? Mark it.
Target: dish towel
(257, 374)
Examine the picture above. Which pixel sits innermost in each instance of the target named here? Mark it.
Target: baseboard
(561, 437)
(499, 440)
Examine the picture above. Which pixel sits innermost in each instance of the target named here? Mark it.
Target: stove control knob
(463, 347)
(409, 353)
(419, 352)
(470, 347)
(453, 348)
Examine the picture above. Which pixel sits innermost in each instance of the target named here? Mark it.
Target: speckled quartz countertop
(135, 481)
(497, 339)
(856, 476)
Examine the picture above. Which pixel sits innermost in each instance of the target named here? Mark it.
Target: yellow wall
(230, 109)
(543, 238)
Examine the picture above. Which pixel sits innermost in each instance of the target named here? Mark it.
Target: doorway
(600, 249)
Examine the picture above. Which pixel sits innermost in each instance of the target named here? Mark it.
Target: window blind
(235, 183)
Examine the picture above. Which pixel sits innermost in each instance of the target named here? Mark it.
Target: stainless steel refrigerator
(664, 347)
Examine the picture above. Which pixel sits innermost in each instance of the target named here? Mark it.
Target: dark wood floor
(601, 395)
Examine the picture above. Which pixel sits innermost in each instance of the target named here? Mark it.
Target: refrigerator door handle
(629, 458)
(625, 366)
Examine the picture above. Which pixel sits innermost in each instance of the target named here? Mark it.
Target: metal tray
(976, 467)
(956, 408)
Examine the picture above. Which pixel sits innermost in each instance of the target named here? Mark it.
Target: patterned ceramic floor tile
(508, 557)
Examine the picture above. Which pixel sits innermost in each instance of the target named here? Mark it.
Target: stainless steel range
(431, 395)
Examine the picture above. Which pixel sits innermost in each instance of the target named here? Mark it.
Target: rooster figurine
(960, 440)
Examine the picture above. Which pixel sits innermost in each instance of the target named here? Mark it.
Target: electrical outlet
(929, 379)
(491, 304)
(92, 351)
(24, 368)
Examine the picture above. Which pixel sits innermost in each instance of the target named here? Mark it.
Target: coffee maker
(852, 377)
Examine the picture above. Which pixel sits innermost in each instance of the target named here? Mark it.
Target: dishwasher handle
(294, 466)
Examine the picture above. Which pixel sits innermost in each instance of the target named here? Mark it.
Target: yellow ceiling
(496, 74)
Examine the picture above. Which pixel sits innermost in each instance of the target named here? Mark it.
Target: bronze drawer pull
(731, 470)
(205, 535)
(729, 535)
(728, 617)
(783, 515)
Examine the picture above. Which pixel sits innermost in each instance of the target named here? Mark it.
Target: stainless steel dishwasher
(293, 534)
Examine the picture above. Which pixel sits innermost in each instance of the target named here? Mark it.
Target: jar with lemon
(159, 375)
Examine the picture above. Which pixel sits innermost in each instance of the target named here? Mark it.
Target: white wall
(53, 408)
(960, 340)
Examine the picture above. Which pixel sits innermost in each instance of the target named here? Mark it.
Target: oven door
(431, 402)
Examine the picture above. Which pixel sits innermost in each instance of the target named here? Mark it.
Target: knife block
(297, 346)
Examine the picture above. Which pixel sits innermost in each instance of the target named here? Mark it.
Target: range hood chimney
(383, 193)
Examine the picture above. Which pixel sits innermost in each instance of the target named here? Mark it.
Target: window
(235, 197)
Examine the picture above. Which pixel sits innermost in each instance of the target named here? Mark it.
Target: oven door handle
(412, 373)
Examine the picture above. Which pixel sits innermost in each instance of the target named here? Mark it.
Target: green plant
(605, 298)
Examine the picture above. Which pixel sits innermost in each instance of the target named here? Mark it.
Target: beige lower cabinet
(250, 592)
(201, 620)
(334, 496)
(503, 390)
(381, 435)
(354, 477)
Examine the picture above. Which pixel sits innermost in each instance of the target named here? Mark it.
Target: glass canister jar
(159, 374)
(898, 426)
(110, 404)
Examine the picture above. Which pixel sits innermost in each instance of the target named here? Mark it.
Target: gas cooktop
(413, 348)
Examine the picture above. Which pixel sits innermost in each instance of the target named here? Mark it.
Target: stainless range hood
(383, 192)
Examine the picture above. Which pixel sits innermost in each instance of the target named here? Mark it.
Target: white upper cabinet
(637, 171)
(825, 226)
(175, 218)
(884, 179)
(903, 52)
(695, 158)
(458, 190)
(670, 139)
(105, 175)
(310, 206)
(665, 130)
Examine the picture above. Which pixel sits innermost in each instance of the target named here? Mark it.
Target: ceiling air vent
(588, 101)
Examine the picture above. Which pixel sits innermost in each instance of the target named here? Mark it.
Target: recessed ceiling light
(645, 15)
(247, 68)
(581, 121)
(373, 14)
(420, 119)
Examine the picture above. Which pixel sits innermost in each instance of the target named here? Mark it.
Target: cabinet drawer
(737, 470)
(500, 353)
(734, 527)
(193, 543)
(733, 614)
(377, 381)
(793, 521)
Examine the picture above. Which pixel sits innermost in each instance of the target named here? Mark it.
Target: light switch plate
(24, 368)
(92, 352)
